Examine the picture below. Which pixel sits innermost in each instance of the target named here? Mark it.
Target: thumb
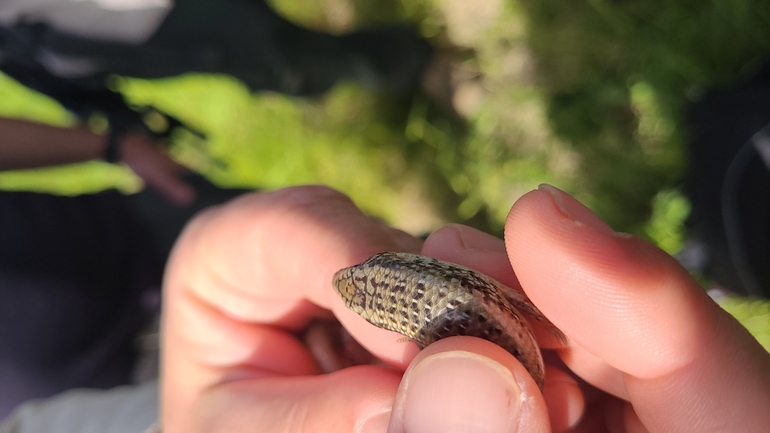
(463, 384)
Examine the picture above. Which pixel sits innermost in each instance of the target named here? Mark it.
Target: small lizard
(426, 300)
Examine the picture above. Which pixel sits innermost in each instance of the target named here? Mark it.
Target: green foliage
(270, 141)
(18, 101)
(587, 95)
(666, 226)
(618, 76)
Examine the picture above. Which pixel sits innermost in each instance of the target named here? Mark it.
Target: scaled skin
(246, 275)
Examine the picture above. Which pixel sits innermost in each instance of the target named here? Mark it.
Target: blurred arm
(25, 144)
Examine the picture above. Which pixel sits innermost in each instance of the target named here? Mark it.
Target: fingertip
(574, 210)
(614, 294)
(377, 423)
(461, 237)
(462, 384)
(543, 214)
(564, 399)
(466, 246)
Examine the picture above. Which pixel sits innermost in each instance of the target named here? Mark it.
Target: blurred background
(588, 96)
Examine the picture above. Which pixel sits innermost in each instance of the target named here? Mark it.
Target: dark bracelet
(111, 149)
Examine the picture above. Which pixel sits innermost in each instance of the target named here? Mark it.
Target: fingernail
(376, 424)
(472, 239)
(453, 392)
(574, 210)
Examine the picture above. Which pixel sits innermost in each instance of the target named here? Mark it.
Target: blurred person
(79, 276)
(79, 284)
(78, 280)
(26, 145)
(76, 271)
(80, 266)
(67, 49)
(648, 350)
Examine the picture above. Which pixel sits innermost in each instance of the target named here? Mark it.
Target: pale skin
(25, 144)
(648, 350)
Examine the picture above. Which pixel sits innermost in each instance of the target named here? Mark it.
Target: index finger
(683, 363)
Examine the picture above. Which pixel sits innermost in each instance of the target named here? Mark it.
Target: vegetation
(588, 96)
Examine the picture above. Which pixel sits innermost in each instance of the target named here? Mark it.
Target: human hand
(156, 168)
(245, 276)
(641, 330)
(242, 279)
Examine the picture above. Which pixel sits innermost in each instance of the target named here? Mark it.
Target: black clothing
(730, 184)
(80, 278)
